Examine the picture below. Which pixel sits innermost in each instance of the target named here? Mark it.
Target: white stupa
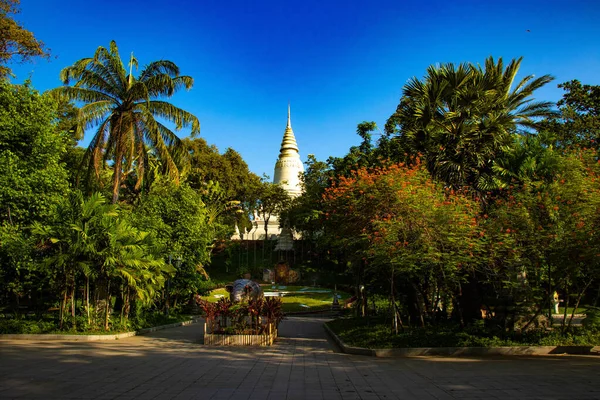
(289, 166)
(287, 173)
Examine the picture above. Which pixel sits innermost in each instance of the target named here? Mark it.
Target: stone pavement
(303, 364)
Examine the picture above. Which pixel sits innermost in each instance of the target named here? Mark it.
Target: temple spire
(288, 165)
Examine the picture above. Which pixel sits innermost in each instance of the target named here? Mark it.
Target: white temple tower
(289, 166)
(287, 173)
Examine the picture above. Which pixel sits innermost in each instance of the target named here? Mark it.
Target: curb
(94, 338)
(463, 351)
(309, 312)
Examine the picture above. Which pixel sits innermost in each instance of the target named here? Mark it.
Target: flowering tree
(396, 222)
(542, 237)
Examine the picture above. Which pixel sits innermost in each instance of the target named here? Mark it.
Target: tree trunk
(579, 296)
(87, 298)
(122, 304)
(566, 302)
(127, 303)
(396, 320)
(117, 175)
(458, 307)
(63, 306)
(73, 299)
(107, 307)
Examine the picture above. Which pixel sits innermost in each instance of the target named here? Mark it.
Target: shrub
(376, 333)
(592, 319)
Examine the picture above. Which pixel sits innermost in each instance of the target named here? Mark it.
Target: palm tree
(128, 262)
(70, 244)
(460, 118)
(124, 108)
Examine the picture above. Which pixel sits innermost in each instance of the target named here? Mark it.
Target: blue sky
(338, 63)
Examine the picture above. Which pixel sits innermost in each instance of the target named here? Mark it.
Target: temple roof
(289, 140)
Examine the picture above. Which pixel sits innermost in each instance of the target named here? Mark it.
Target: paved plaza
(303, 364)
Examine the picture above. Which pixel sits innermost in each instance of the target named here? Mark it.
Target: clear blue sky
(338, 62)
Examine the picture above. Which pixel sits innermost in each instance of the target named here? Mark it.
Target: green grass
(376, 334)
(580, 310)
(293, 302)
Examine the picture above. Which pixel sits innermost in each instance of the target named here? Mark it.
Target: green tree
(272, 199)
(15, 41)
(578, 123)
(69, 245)
(363, 155)
(460, 118)
(32, 179)
(305, 211)
(203, 168)
(395, 226)
(530, 158)
(94, 240)
(546, 231)
(204, 163)
(124, 110)
(178, 218)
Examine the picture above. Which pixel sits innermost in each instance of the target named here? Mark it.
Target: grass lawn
(377, 334)
(580, 310)
(295, 298)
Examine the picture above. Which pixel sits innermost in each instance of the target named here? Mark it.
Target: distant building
(289, 165)
(287, 173)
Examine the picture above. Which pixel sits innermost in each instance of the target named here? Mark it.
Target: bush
(592, 319)
(376, 333)
(24, 326)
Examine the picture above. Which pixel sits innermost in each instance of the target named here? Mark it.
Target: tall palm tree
(460, 118)
(124, 108)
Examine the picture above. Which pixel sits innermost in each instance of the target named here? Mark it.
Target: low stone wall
(463, 351)
(68, 338)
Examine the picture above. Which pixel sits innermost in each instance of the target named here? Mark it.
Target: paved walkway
(303, 364)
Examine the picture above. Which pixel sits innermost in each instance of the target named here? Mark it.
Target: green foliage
(204, 163)
(592, 319)
(16, 43)
(30, 154)
(395, 223)
(461, 117)
(124, 109)
(271, 199)
(177, 218)
(304, 211)
(578, 123)
(546, 233)
(376, 334)
(225, 316)
(93, 241)
(25, 326)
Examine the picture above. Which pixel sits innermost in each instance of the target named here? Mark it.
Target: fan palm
(461, 117)
(123, 109)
